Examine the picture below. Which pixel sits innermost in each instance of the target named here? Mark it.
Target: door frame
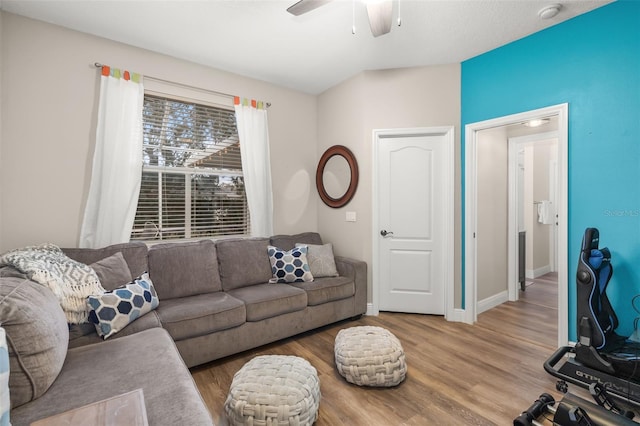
(470, 215)
(514, 145)
(448, 225)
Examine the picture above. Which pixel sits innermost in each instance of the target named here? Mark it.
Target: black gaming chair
(602, 361)
(599, 346)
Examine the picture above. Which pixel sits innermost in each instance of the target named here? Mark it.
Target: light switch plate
(351, 216)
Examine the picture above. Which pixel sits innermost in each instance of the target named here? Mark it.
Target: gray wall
(347, 115)
(1, 132)
(492, 211)
(47, 74)
(49, 101)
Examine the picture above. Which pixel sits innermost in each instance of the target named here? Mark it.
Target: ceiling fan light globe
(380, 16)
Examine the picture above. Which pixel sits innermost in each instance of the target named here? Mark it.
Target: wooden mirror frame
(345, 153)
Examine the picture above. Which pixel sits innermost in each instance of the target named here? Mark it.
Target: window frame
(192, 95)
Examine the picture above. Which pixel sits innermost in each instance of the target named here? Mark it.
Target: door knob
(384, 233)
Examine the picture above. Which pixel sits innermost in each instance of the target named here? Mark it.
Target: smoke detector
(550, 11)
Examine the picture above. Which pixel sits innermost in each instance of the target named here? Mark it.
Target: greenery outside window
(192, 181)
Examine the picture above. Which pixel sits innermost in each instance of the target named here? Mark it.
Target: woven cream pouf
(370, 356)
(274, 390)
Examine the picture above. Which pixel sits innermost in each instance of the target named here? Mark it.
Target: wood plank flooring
(458, 374)
(533, 317)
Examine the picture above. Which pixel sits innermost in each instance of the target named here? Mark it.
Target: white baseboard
(371, 311)
(535, 273)
(492, 301)
(458, 315)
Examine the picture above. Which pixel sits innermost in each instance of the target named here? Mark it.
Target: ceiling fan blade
(304, 6)
(380, 16)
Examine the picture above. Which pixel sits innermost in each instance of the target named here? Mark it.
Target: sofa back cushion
(184, 269)
(287, 242)
(113, 271)
(243, 262)
(134, 253)
(37, 337)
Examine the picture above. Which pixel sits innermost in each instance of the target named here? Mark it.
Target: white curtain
(253, 132)
(117, 161)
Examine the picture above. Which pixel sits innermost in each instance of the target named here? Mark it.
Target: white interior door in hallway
(413, 224)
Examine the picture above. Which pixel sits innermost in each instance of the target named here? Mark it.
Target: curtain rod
(161, 80)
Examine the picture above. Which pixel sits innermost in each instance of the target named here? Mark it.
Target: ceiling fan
(379, 11)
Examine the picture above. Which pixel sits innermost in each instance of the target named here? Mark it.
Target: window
(192, 182)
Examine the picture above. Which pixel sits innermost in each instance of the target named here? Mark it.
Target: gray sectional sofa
(215, 300)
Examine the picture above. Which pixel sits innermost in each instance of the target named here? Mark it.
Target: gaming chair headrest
(599, 258)
(590, 253)
(590, 240)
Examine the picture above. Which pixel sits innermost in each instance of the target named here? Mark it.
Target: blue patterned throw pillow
(4, 380)
(113, 310)
(289, 266)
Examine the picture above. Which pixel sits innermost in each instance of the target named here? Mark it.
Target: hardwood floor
(458, 374)
(533, 317)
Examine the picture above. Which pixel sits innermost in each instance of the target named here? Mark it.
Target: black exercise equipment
(571, 410)
(539, 408)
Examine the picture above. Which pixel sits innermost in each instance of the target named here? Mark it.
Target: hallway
(533, 318)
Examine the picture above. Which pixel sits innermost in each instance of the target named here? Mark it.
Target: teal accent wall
(591, 62)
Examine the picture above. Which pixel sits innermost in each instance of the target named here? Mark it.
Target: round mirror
(337, 176)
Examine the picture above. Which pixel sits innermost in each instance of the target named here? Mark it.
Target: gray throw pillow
(112, 271)
(37, 337)
(321, 260)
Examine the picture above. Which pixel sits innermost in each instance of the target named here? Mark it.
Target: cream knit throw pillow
(70, 281)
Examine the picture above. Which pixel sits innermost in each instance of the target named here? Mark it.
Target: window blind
(192, 182)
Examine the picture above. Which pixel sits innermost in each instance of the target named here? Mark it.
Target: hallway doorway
(532, 199)
(477, 295)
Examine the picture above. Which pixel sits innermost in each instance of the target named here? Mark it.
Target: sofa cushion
(328, 289)
(10, 271)
(321, 260)
(114, 310)
(184, 269)
(37, 337)
(112, 271)
(135, 254)
(269, 300)
(85, 334)
(287, 242)
(148, 360)
(194, 316)
(243, 262)
(289, 266)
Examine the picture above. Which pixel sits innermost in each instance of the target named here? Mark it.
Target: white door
(413, 204)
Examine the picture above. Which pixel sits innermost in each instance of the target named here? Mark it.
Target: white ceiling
(312, 52)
